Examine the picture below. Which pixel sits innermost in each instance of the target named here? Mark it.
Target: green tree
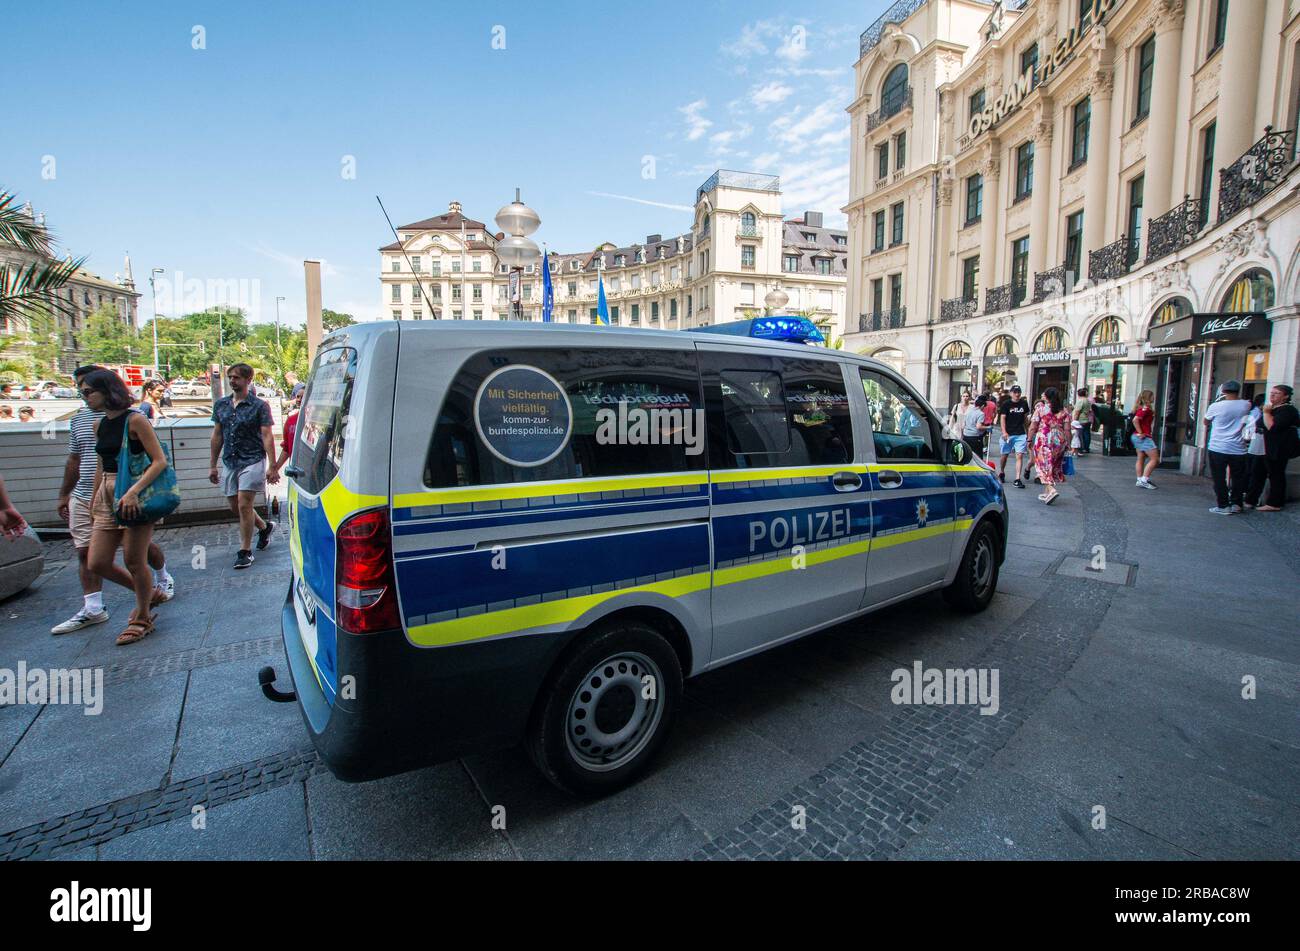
(107, 338)
(332, 320)
(28, 289)
(272, 362)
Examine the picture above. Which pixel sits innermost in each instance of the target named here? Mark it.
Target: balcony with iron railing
(748, 231)
(1175, 229)
(997, 299)
(1054, 282)
(957, 308)
(890, 108)
(1112, 261)
(1264, 165)
(886, 320)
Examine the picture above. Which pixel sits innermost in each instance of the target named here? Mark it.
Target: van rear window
(322, 423)
(543, 414)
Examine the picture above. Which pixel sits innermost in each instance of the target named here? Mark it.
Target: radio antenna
(418, 283)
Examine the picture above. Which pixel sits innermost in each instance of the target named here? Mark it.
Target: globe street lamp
(517, 251)
(776, 300)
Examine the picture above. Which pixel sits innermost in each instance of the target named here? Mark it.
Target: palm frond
(24, 290)
(18, 229)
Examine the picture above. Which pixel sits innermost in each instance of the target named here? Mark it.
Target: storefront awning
(1175, 333)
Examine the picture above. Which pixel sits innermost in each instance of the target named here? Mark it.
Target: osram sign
(1052, 57)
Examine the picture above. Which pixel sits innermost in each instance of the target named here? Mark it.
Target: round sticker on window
(523, 415)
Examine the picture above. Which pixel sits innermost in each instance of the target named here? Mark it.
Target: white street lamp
(277, 319)
(518, 251)
(154, 293)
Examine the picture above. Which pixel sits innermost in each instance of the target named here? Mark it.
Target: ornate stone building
(740, 249)
(1095, 193)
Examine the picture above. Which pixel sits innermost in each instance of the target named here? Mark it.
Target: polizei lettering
(805, 528)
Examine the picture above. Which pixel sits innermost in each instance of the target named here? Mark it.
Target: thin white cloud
(752, 39)
(643, 201)
(832, 139)
(696, 124)
(795, 135)
(292, 263)
(770, 94)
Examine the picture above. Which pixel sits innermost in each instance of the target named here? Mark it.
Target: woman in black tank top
(105, 392)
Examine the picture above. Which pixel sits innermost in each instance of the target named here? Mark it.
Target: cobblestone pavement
(1122, 730)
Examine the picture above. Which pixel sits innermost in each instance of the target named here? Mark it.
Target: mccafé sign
(1055, 56)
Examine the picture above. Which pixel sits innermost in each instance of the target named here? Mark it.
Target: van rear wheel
(606, 709)
(977, 576)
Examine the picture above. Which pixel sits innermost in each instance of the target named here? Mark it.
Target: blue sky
(227, 163)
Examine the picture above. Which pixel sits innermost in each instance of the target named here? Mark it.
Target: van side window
(776, 411)
(900, 427)
(629, 412)
(322, 424)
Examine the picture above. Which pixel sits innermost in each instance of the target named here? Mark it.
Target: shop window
(1253, 291)
(1107, 331)
(1171, 310)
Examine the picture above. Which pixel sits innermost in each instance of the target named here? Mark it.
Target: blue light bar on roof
(789, 329)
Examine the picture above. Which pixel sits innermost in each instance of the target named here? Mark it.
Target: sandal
(136, 630)
(1051, 498)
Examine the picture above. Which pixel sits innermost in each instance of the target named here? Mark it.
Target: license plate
(306, 600)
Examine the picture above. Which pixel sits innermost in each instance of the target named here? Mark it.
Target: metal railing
(748, 231)
(890, 109)
(1175, 229)
(1110, 262)
(755, 181)
(886, 320)
(1054, 282)
(957, 308)
(997, 299)
(1264, 165)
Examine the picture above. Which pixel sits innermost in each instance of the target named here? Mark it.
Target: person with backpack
(1280, 420)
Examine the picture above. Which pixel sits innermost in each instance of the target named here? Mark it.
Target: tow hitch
(266, 677)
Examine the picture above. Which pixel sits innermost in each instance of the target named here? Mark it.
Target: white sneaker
(1235, 509)
(82, 618)
(1220, 511)
(1146, 484)
(168, 588)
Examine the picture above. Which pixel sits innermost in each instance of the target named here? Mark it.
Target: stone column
(992, 208)
(1039, 200)
(1164, 109)
(1284, 367)
(1097, 183)
(943, 267)
(1235, 129)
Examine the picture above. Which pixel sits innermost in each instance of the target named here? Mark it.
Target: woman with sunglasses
(104, 392)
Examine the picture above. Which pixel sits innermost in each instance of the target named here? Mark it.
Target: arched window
(1106, 331)
(1003, 345)
(893, 94)
(956, 350)
(1253, 291)
(747, 219)
(1171, 310)
(1053, 338)
(891, 356)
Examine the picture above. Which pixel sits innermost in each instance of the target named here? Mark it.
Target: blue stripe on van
(916, 480)
(468, 583)
(483, 520)
(889, 514)
(559, 502)
(757, 534)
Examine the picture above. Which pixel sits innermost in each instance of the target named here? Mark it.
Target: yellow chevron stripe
(339, 502)
(511, 620)
(774, 566)
(532, 490)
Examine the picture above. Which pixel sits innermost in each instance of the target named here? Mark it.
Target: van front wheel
(977, 575)
(606, 710)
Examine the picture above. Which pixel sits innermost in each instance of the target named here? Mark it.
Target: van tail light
(366, 589)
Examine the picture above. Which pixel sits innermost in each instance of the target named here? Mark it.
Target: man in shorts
(243, 440)
(1013, 420)
(75, 496)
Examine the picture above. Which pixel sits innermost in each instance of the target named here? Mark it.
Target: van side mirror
(959, 453)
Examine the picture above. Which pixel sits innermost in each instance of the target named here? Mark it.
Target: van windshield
(322, 423)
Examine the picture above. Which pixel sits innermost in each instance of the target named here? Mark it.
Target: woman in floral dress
(1049, 434)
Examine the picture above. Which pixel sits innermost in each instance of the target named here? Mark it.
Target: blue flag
(548, 293)
(602, 306)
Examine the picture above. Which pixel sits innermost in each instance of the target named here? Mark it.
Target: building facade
(1095, 193)
(740, 249)
(81, 296)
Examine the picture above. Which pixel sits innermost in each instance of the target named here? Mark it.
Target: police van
(504, 532)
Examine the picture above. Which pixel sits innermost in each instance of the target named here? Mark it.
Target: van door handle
(889, 479)
(293, 472)
(846, 481)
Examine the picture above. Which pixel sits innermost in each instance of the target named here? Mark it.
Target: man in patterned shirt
(242, 438)
(74, 508)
